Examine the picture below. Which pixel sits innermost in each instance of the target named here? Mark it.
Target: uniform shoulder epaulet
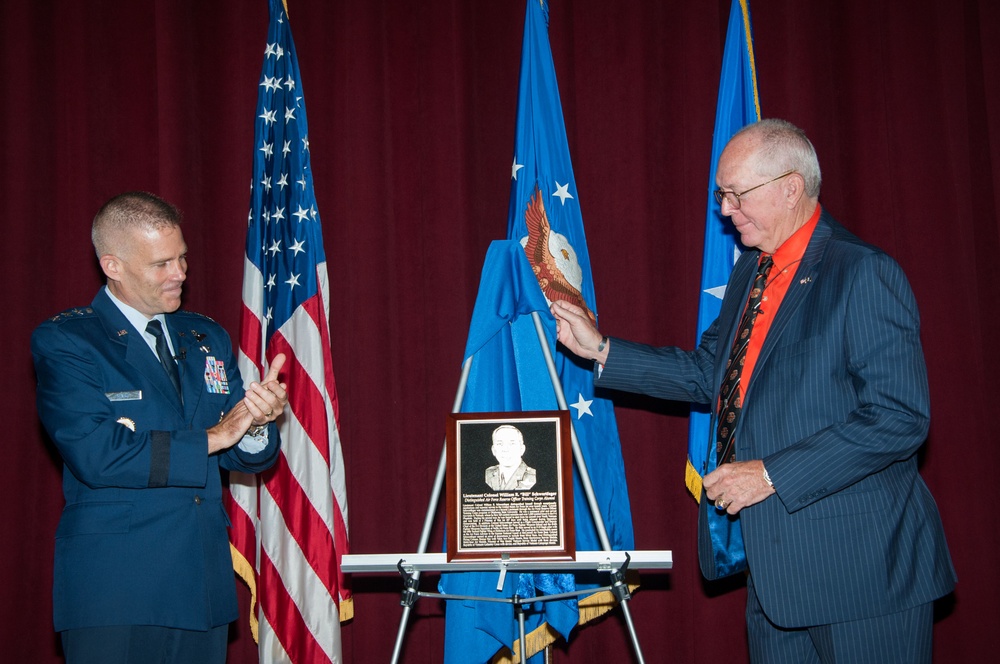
(75, 312)
(201, 328)
(194, 314)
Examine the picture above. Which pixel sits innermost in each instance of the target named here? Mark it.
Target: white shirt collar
(139, 321)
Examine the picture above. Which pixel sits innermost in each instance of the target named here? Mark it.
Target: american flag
(289, 527)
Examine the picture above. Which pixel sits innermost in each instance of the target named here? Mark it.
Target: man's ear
(112, 266)
(794, 188)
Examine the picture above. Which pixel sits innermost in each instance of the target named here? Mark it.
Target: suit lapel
(191, 373)
(137, 352)
(802, 284)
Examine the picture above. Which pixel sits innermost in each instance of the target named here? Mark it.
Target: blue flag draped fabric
(289, 527)
(546, 247)
(737, 107)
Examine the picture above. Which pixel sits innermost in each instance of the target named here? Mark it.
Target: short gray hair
(781, 147)
(133, 210)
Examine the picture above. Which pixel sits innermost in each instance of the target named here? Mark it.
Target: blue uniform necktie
(163, 352)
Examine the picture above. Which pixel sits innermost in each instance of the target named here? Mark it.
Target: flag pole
(581, 465)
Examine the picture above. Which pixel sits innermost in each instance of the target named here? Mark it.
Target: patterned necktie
(163, 352)
(730, 400)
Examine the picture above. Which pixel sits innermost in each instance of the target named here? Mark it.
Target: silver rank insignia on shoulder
(70, 313)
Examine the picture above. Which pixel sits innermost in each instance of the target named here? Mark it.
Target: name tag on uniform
(215, 376)
(129, 395)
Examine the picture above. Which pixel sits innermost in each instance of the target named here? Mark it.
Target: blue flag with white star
(737, 107)
(544, 258)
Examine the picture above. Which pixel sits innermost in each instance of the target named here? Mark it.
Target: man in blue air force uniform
(844, 547)
(145, 404)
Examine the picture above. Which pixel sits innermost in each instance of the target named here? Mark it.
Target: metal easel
(410, 566)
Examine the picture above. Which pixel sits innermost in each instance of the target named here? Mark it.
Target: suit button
(197, 500)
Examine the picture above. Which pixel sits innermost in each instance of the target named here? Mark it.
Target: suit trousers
(900, 638)
(144, 644)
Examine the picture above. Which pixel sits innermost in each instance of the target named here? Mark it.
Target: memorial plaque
(510, 485)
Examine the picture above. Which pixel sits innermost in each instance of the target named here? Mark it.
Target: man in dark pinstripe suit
(844, 547)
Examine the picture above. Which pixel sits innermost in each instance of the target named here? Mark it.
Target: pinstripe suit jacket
(837, 407)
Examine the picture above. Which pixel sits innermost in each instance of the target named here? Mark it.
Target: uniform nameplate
(128, 395)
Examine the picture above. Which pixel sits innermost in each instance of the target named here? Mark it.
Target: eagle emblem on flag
(552, 258)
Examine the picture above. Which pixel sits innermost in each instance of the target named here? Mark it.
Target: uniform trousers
(144, 644)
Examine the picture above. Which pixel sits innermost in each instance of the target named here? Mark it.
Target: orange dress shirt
(786, 260)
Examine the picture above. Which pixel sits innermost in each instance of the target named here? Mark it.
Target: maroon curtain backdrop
(411, 106)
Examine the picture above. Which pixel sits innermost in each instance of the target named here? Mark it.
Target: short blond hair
(133, 210)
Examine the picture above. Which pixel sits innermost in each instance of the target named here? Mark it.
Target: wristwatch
(601, 346)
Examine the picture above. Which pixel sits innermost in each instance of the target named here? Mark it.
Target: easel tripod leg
(431, 511)
(519, 610)
(619, 588)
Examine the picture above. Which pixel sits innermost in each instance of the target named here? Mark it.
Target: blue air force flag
(544, 259)
(737, 106)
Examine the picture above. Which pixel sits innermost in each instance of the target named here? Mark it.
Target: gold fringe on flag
(244, 570)
(346, 609)
(592, 607)
(693, 481)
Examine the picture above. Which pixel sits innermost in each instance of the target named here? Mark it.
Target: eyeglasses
(733, 198)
